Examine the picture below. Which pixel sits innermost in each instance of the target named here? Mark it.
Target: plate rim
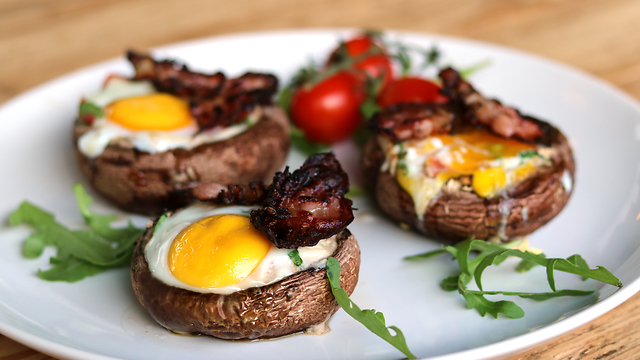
(498, 349)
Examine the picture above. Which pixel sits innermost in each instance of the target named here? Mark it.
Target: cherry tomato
(329, 111)
(410, 89)
(360, 45)
(375, 65)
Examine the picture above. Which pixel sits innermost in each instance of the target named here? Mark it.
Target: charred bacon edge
(467, 108)
(214, 100)
(299, 208)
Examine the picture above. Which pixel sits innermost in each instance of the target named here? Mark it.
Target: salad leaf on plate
(371, 319)
(80, 253)
(474, 256)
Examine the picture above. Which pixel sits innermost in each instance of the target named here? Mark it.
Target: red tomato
(360, 45)
(374, 65)
(410, 89)
(330, 111)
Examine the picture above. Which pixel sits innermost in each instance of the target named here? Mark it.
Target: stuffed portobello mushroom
(143, 142)
(213, 269)
(471, 167)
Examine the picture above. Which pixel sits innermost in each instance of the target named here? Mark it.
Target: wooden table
(42, 39)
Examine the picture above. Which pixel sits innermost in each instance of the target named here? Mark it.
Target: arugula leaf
(355, 191)
(294, 255)
(284, 99)
(70, 270)
(487, 254)
(307, 147)
(404, 58)
(34, 246)
(470, 70)
(369, 107)
(484, 306)
(426, 255)
(371, 319)
(80, 253)
(89, 108)
(577, 260)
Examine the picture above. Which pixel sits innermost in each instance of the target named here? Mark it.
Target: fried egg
(210, 249)
(137, 115)
(496, 165)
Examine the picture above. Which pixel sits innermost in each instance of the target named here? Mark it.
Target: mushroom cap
(284, 307)
(457, 214)
(149, 184)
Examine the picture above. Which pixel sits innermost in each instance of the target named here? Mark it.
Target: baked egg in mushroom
(213, 269)
(471, 167)
(212, 249)
(143, 142)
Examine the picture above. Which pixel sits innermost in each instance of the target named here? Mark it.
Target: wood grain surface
(43, 39)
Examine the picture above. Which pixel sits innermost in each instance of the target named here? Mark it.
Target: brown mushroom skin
(149, 184)
(284, 307)
(459, 213)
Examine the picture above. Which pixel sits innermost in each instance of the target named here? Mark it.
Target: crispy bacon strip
(252, 194)
(214, 100)
(306, 206)
(413, 121)
(175, 78)
(502, 120)
(238, 99)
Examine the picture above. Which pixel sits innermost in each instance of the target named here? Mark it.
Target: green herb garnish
(294, 255)
(492, 254)
(529, 154)
(80, 253)
(401, 163)
(89, 108)
(306, 146)
(371, 319)
(284, 98)
(496, 149)
(161, 219)
(470, 70)
(355, 191)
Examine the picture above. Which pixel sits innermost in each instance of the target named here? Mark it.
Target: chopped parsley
(529, 154)
(294, 255)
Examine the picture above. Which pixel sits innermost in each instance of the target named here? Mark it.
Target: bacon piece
(413, 121)
(306, 206)
(214, 100)
(502, 120)
(252, 194)
(238, 99)
(175, 78)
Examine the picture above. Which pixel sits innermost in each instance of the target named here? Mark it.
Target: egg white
(275, 266)
(103, 131)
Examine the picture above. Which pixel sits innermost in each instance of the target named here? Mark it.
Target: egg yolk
(150, 112)
(217, 251)
(470, 153)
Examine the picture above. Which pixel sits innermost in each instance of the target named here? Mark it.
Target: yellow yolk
(217, 251)
(468, 153)
(150, 112)
(487, 182)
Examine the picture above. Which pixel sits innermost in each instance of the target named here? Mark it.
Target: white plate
(99, 317)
